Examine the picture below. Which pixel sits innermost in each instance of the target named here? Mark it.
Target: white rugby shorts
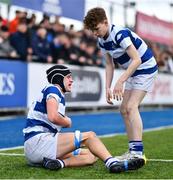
(39, 146)
(143, 82)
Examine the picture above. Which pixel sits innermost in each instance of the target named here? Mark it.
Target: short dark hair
(94, 17)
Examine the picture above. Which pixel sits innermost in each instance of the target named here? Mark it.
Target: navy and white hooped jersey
(118, 41)
(37, 120)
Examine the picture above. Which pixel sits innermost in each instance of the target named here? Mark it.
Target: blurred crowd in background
(52, 42)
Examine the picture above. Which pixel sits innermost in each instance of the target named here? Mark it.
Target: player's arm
(109, 77)
(54, 116)
(109, 70)
(136, 61)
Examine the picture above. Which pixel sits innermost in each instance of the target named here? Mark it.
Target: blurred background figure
(41, 47)
(20, 40)
(6, 50)
(13, 24)
(165, 62)
(66, 52)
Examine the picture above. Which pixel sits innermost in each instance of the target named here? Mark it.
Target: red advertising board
(154, 29)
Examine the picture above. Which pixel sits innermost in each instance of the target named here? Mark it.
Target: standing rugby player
(126, 48)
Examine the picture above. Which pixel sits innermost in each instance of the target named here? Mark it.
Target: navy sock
(136, 147)
(109, 161)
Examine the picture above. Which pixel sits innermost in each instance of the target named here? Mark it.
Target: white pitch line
(160, 160)
(11, 148)
(11, 154)
(145, 130)
(152, 160)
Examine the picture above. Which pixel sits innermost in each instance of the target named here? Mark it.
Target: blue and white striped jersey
(37, 120)
(118, 41)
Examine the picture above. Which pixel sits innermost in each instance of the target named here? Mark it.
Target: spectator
(156, 50)
(71, 30)
(57, 29)
(82, 52)
(32, 26)
(100, 62)
(55, 48)
(21, 42)
(6, 50)
(14, 23)
(41, 47)
(67, 52)
(3, 22)
(91, 55)
(45, 22)
(165, 63)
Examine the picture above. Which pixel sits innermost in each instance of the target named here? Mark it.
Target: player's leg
(67, 142)
(85, 157)
(135, 144)
(133, 113)
(133, 122)
(97, 148)
(124, 113)
(139, 85)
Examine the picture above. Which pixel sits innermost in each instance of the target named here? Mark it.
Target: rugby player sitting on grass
(45, 144)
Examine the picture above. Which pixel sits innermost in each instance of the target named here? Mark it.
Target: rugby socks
(136, 147)
(109, 161)
(61, 162)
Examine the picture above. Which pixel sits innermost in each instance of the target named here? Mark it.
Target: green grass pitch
(158, 145)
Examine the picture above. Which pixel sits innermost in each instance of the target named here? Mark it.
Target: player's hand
(109, 96)
(118, 91)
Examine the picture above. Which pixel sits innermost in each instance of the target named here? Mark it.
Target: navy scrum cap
(56, 74)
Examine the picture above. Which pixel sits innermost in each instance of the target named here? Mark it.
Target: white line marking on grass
(11, 154)
(152, 160)
(145, 130)
(158, 128)
(11, 148)
(160, 160)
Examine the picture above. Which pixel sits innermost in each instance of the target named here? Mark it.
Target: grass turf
(158, 145)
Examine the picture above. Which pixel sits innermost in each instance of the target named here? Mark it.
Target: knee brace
(77, 139)
(76, 152)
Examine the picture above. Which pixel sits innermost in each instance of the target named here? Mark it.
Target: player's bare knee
(131, 108)
(92, 134)
(123, 110)
(88, 135)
